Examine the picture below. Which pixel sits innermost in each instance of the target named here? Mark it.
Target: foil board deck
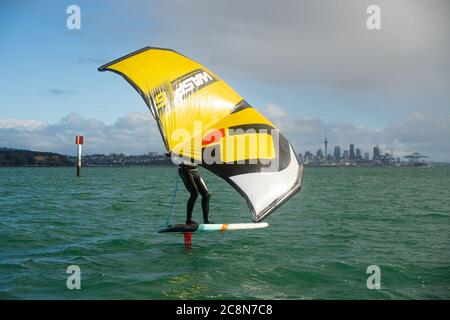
(221, 227)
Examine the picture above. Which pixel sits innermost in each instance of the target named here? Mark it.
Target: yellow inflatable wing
(201, 118)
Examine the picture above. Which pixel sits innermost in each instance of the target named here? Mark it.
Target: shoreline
(172, 165)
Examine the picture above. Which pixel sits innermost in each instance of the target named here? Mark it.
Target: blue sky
(306, 60)
(41, 54)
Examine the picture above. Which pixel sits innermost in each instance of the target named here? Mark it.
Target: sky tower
(326, 143)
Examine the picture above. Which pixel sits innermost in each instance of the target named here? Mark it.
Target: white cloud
(134, 133)
(275, 111)
(18, 124)
(137, 133)
(418, 132)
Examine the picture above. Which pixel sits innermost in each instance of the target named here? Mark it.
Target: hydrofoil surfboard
(222, 227)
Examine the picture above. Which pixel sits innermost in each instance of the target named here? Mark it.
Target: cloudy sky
(307, 65)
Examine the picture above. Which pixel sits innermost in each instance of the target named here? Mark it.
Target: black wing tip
(105, 67)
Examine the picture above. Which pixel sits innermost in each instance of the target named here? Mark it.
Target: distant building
(337, 153)
(308, 157)
(330, 158)
(346, 155)
(319, 154)
(358, 154)
(326, 144)
(376, 153)
(387, 159)
(300, 157)
(352, 152)
(366, 156)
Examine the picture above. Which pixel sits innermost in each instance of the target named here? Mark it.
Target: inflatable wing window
(203, 119)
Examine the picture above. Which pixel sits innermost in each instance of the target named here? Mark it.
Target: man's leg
(206, 195)
(190, 185)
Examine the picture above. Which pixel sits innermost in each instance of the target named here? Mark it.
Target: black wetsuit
(195, 185)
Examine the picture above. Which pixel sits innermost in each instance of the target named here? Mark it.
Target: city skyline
(354, 155)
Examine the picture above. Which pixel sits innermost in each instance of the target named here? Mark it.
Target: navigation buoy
(188, 239)
(79, 143)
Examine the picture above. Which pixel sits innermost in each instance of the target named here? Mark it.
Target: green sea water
(317, 246)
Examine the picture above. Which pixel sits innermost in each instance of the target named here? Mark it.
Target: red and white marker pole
(79, 143)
